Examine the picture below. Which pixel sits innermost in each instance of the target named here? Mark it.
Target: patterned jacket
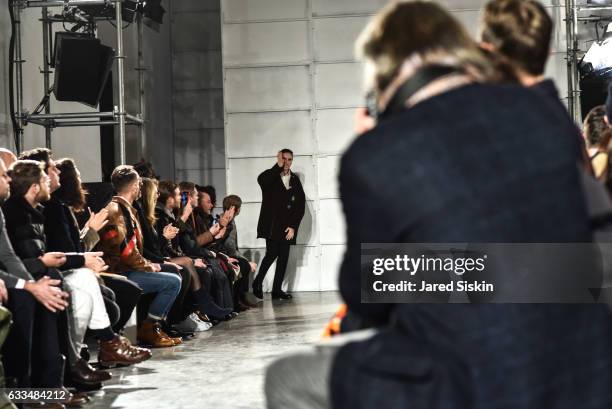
(121, 243)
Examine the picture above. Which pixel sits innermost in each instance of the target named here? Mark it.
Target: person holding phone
(282, 210)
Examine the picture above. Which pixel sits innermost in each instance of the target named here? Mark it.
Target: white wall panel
(247, 226)
(264, 133)
(242, 176)
(331, 222)
(259, 43)
(335, 7)
(331, 44)
(303, 269)
(338, 85)
(331, 261)
(335, 129)
(261, 89)
(557, 69)
(250, 10)
(328, 167)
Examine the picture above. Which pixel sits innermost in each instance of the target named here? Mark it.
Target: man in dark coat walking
(282, 210)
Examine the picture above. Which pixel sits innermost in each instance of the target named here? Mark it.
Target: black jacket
(150, 241)
(478, 164)
(62, 232)
(11, 268)
(26, 229)
(280, 207)
(169, 248)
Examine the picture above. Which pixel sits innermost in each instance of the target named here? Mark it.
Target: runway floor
(224, 367)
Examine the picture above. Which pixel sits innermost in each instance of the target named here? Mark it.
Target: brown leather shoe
(150, 333)
(75, 400)
(140, 352)
(43, 405)
(119, 351)
(82, 372)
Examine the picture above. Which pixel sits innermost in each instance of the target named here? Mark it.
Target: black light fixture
(153, 10)
(129, 8)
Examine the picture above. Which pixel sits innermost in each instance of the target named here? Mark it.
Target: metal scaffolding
(574, 53)
(118, 117)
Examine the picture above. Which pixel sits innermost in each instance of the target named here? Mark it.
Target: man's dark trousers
(274, 249)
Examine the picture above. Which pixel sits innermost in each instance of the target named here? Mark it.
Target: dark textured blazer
(476, 164)
(11, 268)
(26, 229)
(280, 207)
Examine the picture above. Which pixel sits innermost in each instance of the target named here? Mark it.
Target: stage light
(129, 8)
(154, 10)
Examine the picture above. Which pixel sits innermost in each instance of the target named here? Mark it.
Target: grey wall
(198, 93)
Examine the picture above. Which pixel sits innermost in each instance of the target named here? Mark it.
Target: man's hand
(187, 210)
(253, 266)
(97, 220)
(53, 259)
(174, 265)
(221, 233)
(170, 232)
(3, 292)
(156, 267)
(198, 262)
(48, 293)
(363, 122)
(227, 216)
(280, 162)
(214, 229)
(94, 261)
(290, 233)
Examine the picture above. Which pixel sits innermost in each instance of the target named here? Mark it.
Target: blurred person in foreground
(470, 161)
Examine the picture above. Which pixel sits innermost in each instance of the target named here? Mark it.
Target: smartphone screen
(184, 198)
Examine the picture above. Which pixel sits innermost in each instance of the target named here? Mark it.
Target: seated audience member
(194, 245)
(30, 186)
(229, 245)
(153, 252)
(597, 134)
(168, 201)
(87, 309)
(121, 242)
(32, 343)
(63, 227)
(454, 355)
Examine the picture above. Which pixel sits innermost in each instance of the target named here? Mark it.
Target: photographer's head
(29, 180)
(44, 155)
(596, 130)
(126, 182)
(520, 30)
(407, 36)
(5, 180)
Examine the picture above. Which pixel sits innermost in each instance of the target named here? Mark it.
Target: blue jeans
(166, 285)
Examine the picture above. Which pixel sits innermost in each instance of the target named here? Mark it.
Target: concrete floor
(224, 367)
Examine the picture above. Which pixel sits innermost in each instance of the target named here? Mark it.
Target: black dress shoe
(281, 296)
(258, 292)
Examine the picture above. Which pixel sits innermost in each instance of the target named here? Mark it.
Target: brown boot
(84, 373)
(150, 333)
(119, 351)
(142, 353)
